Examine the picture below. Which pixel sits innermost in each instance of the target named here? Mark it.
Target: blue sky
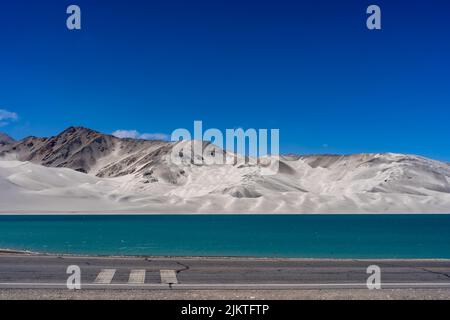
(309, 68)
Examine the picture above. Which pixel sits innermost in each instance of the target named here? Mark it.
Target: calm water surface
(301, 236)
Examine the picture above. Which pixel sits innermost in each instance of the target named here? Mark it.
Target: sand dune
(81, 170)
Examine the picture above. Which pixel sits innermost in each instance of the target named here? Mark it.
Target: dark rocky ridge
(76, 148)
(5, 140)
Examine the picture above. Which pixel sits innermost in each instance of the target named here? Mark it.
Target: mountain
(85, 171)
(76, 148)
(5, 140)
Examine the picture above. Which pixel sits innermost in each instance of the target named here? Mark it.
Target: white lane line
(168, 276)
(105, 276)
(137, 277)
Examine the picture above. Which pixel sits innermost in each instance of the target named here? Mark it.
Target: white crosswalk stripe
(105, 276)
(168, 277)
(137, 277)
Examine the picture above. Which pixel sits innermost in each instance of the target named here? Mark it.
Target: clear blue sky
(309, 68)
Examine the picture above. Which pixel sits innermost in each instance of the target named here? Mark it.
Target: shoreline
(13, 252)
(138, 213)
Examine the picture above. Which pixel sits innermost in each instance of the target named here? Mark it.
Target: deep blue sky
(309, 68)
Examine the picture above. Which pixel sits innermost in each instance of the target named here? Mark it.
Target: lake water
(299, 236)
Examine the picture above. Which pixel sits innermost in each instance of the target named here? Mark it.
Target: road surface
(47, 272)
(42, 271)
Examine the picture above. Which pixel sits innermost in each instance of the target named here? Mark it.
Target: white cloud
(6, 117)
(126, 134)
(154, 136)
(134, 134)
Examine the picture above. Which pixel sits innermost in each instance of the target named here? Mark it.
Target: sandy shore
(6, 251)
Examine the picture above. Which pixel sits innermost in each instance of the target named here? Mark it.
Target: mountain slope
(128, 175)
(77, 148)
(5, 140)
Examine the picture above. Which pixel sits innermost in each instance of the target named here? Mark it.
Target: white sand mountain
(81, 170)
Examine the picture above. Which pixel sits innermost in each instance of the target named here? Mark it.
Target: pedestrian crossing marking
(105, 276)
(137, 277)
(168, 277)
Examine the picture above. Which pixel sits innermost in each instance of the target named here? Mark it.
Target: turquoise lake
(296, 236)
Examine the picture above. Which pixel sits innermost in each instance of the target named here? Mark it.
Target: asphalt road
(19, 271)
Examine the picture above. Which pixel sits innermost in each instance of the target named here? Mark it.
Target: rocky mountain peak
(5, 140)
